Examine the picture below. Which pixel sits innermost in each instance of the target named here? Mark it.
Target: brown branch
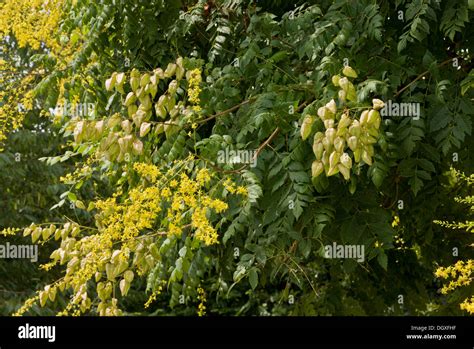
(226, 111)
(421, 75)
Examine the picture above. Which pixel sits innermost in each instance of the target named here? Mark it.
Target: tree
(227, 143)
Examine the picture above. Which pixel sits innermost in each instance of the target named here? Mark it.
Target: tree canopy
(199, 157)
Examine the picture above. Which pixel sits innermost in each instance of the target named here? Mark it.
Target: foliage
(163, 223)
(461, 271)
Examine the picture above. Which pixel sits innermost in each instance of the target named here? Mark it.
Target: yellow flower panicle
(194, 89)
(202, 301)
(167, 203)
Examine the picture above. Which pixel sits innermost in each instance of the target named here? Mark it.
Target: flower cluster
(194, 90)
(165, 203)
(202, 301)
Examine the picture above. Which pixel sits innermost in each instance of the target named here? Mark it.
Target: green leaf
(253, 278)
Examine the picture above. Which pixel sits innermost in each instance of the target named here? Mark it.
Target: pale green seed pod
(345, 121)
(322, 113)
(306, 127)
(317, 168)
(328, 123)
(145, 79)
(366, 157)
(352, 142)
(364, 117)
(332, 171)
(377, 104)
(331, 134)
(318, 149)
(357, 155)
(327, 144)
(342, 95)
(339, 144)
(331, 106)
(348, 71)
(346, 160)
(334, 159)
(346, 173)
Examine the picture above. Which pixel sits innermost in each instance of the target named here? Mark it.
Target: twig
(226, 111)
(420, 76)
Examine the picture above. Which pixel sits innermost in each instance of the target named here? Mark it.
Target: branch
(420, 76)
(226, 111)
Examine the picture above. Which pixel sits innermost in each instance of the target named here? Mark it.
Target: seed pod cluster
(346, 140)
(119, 137)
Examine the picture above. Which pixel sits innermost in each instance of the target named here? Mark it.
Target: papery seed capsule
(345, 121)
(344, 83)
(354, 130)
(326, 144)
(348, 71)
(346, 173)
(144, 129)
(318, 136)
(145, 79)
(173, 86)
(339, 144)
(159, 73)
(99, 127)
(140, 92)
(126, 126)
(364, 118)
(352, 142)
(153, 90)
(120, 79)
(377, 104)
(145, 102)
(332, 171)
(357, 155)
(325, 158)
(372, 117)
(163, 100)
(341, 132)
(134, 83)
(130, 99)
(346, 160)
(113, 121)
(132, 109)
(317, 168)
(110, 83)
(138, 147)
(170, 70)
(134, 73)
(366, 157)
(373, 132)
(335, 80)
(331, 106)
(138, 117)
(342, 95)
(322, 113)
(334, 159)
(318, 149)
(331, 134)
(351, 93)
(306, 127)
(328, 123)
(160, 111)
